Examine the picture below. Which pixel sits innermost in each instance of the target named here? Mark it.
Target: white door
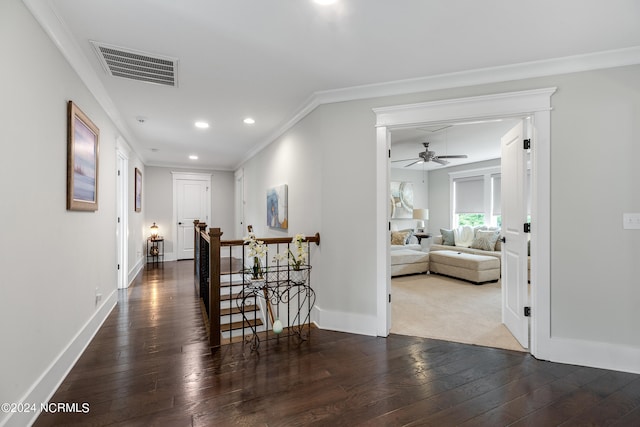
(192, 202)
(514, 250)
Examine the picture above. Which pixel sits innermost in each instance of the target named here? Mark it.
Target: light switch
(631, 221)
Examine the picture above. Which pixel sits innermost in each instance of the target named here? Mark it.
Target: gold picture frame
(83, 139)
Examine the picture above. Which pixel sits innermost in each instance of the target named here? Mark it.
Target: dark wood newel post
(196, 247)
(214, 287)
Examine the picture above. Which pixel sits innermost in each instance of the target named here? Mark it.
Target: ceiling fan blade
(438, 160)
(405, 160)
(458, 156)
(417, 161)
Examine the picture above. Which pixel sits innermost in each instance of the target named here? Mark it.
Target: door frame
(122, 208)
(187, 176)
(535, 103)
(239, 228)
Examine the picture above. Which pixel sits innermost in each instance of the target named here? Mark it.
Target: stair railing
(214, 258)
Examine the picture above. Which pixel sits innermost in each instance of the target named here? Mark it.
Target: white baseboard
(344, 322)
(135, 270)
(46, 385)
(590, 353)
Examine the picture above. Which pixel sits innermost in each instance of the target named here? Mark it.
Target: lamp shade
(421, 214)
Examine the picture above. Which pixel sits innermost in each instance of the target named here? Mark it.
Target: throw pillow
(399, 238)
(409, 235)
(447, 237)
(485, 240)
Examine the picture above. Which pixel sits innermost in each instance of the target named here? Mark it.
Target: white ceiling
(270, 60)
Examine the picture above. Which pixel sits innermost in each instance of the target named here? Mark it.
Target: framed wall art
(137, 203)
(277, 207)
(401, 199)
(82, 161)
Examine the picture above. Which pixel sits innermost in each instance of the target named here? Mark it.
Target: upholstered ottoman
(474, 268)
(408, 261)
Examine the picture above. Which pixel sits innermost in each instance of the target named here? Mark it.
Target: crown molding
(524, 70)
(520, 71)
(55, 27)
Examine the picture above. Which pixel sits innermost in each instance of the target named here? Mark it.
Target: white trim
(479, 76)
(383, 215)
(525, 70)
(499, 105)
(352, 323)
(56, 29)
(122, 207)
(534, 102)
(593, 354)
(44, 13)
(46, 385)
(137, 268)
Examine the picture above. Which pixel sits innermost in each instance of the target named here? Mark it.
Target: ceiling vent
(136, 65)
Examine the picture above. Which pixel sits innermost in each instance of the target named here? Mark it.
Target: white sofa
(439, 246)
(407, 257)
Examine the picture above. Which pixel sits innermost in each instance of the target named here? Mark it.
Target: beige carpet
(433, 306)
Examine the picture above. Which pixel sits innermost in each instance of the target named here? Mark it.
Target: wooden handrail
(273, 240)
(212, 282)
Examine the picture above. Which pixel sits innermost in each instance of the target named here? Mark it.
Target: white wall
(53, 262)
(158, 202)
(595, 124)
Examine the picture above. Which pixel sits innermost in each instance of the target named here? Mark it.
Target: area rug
(433, 306)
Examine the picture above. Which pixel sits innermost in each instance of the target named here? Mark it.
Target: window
(476, 197)
(496, 216)
(469, 201)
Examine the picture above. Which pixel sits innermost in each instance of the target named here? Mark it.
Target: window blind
(496, 193)
(469, 195)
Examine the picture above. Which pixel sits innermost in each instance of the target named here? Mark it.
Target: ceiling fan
(430, 156)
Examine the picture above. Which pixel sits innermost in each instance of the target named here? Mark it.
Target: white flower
(256, 248)
(296, 255)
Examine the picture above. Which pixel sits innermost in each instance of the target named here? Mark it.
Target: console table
(155, 250)
(288, 299)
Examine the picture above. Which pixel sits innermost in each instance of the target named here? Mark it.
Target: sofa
(480, 248)
(407, 256)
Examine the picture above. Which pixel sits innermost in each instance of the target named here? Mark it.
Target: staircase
(233, 324)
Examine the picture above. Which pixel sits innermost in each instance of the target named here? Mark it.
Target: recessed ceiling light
(202, 125)
(249, 121)
(193, 157)
(325, 2)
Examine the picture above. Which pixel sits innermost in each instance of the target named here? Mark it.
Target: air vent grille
(135, 65)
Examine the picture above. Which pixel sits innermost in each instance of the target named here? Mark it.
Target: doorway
(191, 201)
(122, 197)
(440, 307)
(534, 103)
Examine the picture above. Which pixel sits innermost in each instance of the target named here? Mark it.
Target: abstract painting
(401, 199)
(277, 207)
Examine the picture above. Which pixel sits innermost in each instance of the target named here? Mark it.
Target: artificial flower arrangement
(296, 258)
(258, 250)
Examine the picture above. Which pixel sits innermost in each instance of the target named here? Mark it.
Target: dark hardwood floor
(149, 365)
